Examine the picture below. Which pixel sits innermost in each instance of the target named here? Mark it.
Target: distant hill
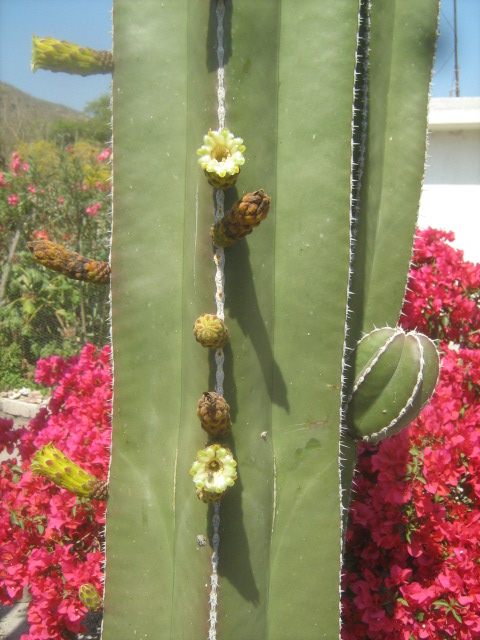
(25, 118)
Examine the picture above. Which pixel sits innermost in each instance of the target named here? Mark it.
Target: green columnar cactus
(290, 71)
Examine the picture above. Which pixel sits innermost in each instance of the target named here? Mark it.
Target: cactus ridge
(396, 423)
(374, 359)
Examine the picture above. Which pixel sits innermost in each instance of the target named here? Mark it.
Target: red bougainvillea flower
(50, 539)
(412, 555)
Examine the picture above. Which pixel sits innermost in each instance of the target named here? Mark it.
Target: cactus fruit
(54, 465)
(214, 471)
(210, 331)
(58, 55)
(221, 158)
(244, 216)
(395, 376)
(214, 414)
(58, 258)
(90, 597)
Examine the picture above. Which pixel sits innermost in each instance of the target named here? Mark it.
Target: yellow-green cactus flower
(213, 472)
(58, 55)
(51, 463)
(221, 157)
(90, 597)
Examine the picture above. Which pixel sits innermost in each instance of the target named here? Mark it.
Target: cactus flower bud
(244, 216)
(58, 55)
(210, 331)
(73, 265)
(221, 158)
(214, 414)
(214, 471)
(395, 376)
(90, 597)
(54, 465)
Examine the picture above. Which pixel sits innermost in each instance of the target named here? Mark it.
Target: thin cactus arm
(401, 41)
(393, 79)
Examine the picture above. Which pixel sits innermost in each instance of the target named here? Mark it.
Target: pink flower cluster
(105, 155)
(443, 295)
(50, 540)
(18, 165)
(412, 565)
(94, 209)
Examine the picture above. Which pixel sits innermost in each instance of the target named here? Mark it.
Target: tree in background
(61, 194)
(97, 128)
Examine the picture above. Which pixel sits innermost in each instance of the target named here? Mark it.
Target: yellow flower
(214, 471)
(221, 157)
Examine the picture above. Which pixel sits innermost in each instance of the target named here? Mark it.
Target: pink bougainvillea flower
(412, 546)
(50, 540)
(13, 199)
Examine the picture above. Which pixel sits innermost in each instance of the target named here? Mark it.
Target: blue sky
(88, 22)
(468, 36)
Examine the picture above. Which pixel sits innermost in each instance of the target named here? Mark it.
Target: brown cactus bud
(73, 265)
(210, 331)
(244, 216)
(214, 414)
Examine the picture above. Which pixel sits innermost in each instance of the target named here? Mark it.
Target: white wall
(451, 191)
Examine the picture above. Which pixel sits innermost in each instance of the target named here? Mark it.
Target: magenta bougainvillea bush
(412, 566)
(51, 540)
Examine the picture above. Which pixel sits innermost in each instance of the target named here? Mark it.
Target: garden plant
(303, 358)
(51, 192)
